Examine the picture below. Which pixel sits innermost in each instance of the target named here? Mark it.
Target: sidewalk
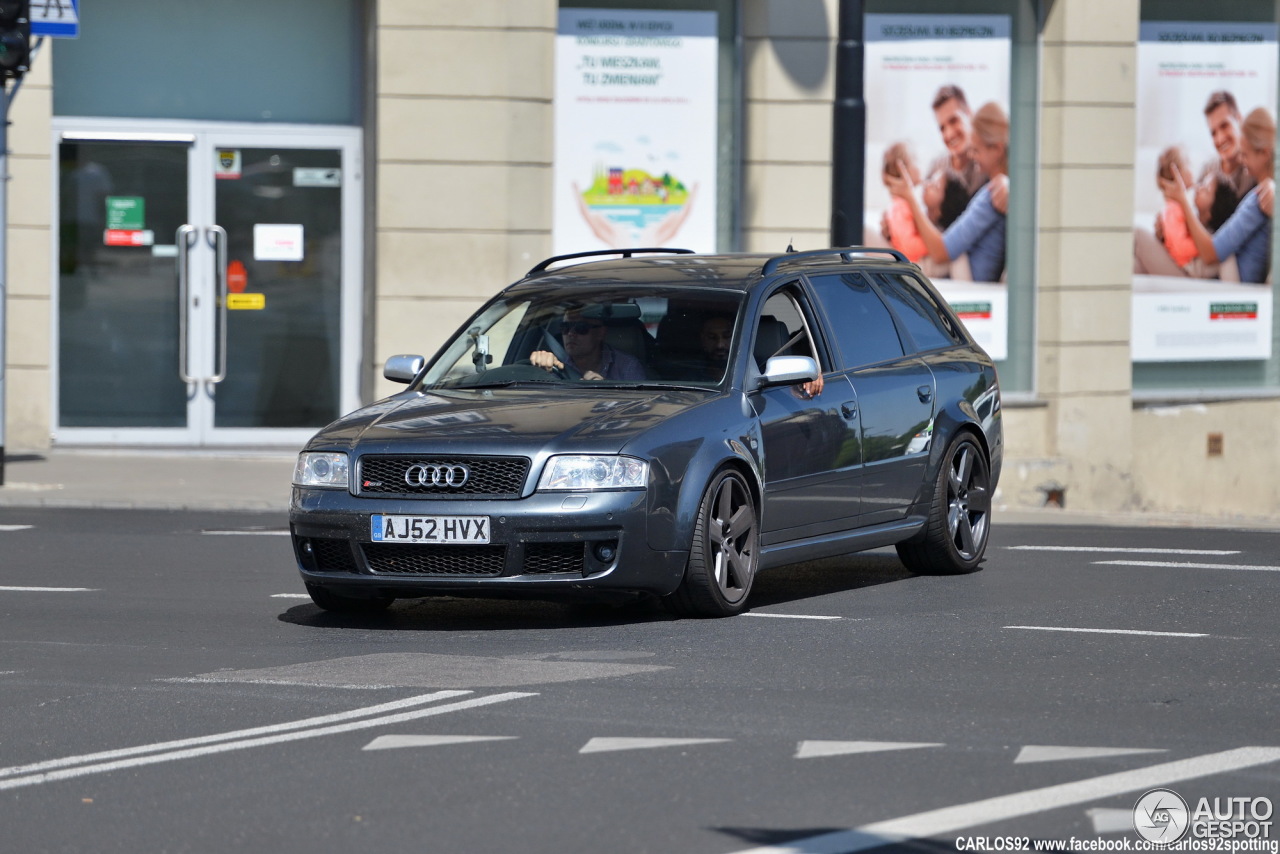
(170, 479)
(246, 480)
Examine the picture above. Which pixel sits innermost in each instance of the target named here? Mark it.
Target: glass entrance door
(208, 285)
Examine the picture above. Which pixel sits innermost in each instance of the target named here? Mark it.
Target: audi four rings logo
(436, 475)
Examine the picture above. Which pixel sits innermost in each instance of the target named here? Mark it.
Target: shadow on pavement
(795, 583)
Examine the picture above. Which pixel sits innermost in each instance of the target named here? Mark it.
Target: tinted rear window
(864, 330)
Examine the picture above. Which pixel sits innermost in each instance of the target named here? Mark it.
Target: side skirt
(830, 545)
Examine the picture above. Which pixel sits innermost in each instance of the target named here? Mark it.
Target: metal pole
(4, 256)
(849, 130)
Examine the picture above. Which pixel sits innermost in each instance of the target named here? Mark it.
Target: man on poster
(1207, 204)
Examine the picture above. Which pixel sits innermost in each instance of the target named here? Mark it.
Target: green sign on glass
(127, 213)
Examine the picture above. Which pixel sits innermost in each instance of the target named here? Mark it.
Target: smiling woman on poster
(1247, 234)
(979, 232)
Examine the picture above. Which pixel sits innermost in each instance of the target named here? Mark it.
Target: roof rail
(846, 253)
(625, 253)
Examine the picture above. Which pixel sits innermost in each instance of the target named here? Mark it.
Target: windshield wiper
(659, 386)
(499, 384)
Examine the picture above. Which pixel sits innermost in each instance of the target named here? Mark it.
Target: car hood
(506, 421)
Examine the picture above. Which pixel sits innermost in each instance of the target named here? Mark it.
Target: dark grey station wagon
(652, 422)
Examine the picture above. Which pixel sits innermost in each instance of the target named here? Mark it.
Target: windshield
(656, 336)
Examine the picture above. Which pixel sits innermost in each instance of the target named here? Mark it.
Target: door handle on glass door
(185, 237)
(217, 237)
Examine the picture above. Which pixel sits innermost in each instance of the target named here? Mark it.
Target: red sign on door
(237, 277)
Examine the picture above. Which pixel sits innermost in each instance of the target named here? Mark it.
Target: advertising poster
(1205, 111)
(932, 83)
(636, 113)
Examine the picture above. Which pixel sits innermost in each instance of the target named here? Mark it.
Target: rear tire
(339, 604)
(955, 537)
(724, 555)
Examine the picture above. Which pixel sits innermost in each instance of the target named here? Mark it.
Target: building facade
(357, 177)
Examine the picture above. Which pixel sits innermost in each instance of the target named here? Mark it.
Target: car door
(811, 446)
(894, 389)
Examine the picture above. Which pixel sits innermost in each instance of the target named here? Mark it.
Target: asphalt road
(165, 686)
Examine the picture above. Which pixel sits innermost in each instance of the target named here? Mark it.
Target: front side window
(783, 330)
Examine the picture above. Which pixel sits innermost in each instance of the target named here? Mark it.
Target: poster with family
(636, 126)
(937, 96)
(1203, 191)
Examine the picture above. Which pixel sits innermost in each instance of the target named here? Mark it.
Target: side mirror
(788, 370)
(403, 368)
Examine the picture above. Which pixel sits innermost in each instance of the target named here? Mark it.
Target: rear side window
(926, 321)
(864, 330)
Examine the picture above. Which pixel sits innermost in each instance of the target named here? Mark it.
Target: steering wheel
(558, 373)
(557, 350)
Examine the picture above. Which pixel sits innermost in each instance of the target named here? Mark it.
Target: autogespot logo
(1161, 815)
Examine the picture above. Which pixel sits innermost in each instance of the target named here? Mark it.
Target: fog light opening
(606, 551)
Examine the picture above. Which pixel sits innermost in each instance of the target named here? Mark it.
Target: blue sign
(59, 19)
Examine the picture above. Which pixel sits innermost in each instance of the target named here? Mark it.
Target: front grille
(547, 558)
(405, 559)
(488, 477)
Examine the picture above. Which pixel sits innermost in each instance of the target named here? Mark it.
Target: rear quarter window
(930, 326)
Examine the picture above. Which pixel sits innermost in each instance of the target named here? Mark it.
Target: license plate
(466, 530)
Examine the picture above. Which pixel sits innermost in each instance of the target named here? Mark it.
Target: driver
(587, 352)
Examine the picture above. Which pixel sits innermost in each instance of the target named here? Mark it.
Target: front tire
(724, 555)
(339, 604)
(955, 537)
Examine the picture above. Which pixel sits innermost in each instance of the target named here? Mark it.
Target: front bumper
(545, 546)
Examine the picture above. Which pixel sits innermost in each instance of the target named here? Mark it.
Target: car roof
(736, 271)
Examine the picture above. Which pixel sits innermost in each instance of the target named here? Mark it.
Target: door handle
(185, 237)
(925, 393)
(216, 235)
(849, 410)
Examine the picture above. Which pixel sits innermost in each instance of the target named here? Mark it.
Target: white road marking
(16, 527)
(1111, 631)
(789, 616)
(392, 742)
(601, 745)
(322, 720)
(242, 744)
(1171, 565)
(1121, 550)
(246, 533)
(290, 596)
(49, 589)
(1053, 753)
(1106, 820)
(813, 749)
(948, 820)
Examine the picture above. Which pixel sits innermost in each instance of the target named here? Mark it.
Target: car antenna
(791, 248)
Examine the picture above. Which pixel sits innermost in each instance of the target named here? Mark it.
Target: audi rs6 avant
(666, 424)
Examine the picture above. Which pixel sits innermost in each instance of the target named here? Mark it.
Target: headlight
(594, 472)
(321, 469)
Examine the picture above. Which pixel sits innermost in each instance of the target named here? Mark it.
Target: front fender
(680, 471)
